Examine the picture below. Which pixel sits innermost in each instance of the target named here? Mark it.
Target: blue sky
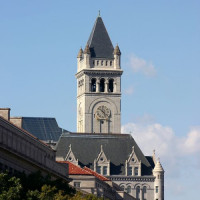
(160, 45)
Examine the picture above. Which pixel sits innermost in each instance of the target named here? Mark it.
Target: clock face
(102, 112)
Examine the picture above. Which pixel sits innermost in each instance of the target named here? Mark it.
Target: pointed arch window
(102, 85)
(93, 85)
(111, 85)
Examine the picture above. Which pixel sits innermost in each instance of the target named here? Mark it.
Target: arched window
(129, 189)
(102, 85)
(93, 85)
(138, 192)
(110, 63)
(144, 193)
(122, 186)
(102, 63)
(111, 85)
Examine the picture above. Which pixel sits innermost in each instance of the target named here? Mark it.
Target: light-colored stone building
(98, 143)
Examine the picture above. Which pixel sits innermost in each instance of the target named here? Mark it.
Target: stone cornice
(126, 178)
(98, 72)
(100, 94)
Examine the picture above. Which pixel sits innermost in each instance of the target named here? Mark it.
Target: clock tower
(99, 84)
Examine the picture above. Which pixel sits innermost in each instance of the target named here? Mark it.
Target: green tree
(10, 187)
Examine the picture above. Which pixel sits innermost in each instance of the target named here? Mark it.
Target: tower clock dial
(102, 112)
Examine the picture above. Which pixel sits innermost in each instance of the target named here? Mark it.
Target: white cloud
(172, 150)
(129, 91)
(140, 65)
(191, 143)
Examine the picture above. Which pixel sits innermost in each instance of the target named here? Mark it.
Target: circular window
(101, 159)
(133, 159)
(70, 158)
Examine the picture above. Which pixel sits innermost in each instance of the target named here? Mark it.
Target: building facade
(99, 84)
(100, 146)
(20, 151)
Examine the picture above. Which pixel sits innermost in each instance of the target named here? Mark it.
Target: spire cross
(99, 13)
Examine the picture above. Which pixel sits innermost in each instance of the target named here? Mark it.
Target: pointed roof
(99, 41)
(158, 167)
(75, 170)
(86, 150)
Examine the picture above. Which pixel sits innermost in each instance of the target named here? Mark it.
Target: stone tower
(158, 172)
(99, 84)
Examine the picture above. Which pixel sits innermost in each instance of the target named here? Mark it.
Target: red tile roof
(99, 176)
(75, 170)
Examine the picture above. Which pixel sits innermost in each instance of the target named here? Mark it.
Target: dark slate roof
(43, 128)
(117, 148)
(99, 41)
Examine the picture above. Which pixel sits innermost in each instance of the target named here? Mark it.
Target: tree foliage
(37, 187)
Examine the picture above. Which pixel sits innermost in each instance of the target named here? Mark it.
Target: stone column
(97, 84)
(106, 85)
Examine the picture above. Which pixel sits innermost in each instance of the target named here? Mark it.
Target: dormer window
(136, 171)
(129, 171)
(133, 165)
(98, 169)
(102, 164)
(70, 156)
(105, 170)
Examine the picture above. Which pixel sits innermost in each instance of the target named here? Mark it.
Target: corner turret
(158, 172)
(117, 57)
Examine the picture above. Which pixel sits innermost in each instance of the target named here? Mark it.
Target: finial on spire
(101, 148)
(70, 146)
(132, 148)
(87, 49)
(99, 14)
(117, 50)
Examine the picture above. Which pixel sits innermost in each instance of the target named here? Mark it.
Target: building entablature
(132, 179)
(99, 72)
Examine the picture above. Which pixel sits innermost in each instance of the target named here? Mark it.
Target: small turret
(87, 49)
(79, 58)
(87, 56)
(80, 53)
(117, 51)
(158, 172)
(117, 57)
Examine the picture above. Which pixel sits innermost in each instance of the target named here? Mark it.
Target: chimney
(5, 113)
(17, 121)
